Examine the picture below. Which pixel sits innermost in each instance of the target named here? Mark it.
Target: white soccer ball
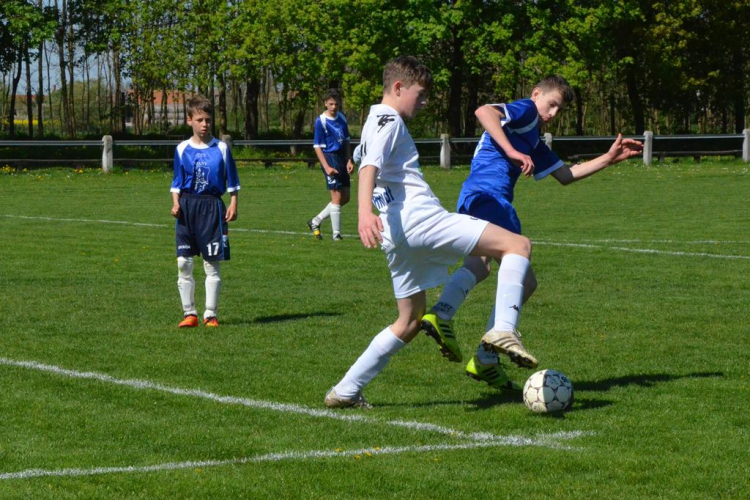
(548, 391)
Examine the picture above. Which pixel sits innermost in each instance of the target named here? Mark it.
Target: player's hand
(622, 149)
(231, 213)
(349, 167)
(331, 172)
(523, 161)
(176, 211)
(370, 226)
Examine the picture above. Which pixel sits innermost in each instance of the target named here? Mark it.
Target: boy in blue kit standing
(203, 171)
(332, 148)
(419, 237)
(509, 147)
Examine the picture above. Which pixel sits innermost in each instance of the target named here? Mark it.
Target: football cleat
(190, 321)
(442, 332)
(337, 237)
(315, 229)
(509, 344)
(332, 400)
(494, 375)
(211, 321)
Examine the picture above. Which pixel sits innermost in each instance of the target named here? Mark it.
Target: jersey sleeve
(545, 161)
(319, 138)
(233, 180)
(345, 128)
(178, 176)
(520, 116)
(380, 142)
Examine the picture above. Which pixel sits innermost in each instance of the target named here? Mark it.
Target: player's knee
(185, 266)
(478, 267)
(519, 245)
(213, 270)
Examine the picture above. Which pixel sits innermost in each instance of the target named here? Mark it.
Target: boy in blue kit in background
(509, 147)
(419, 237)
(332, 148)
(203, 171)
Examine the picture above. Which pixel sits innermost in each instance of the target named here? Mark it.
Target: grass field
(643, 302)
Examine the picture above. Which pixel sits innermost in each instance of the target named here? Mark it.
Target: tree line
(678, 66)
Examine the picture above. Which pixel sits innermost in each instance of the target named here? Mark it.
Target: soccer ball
(548, 391)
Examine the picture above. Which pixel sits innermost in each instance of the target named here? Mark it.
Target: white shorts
(421, 261)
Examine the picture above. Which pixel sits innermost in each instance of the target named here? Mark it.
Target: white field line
(350, 416)
(546, 440)
(535, 242)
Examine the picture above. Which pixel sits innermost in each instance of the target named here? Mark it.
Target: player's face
(412, 99)
(548, 104)
(201, 124)
(332, 107)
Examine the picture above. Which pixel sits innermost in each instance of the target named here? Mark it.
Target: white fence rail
(446, 144)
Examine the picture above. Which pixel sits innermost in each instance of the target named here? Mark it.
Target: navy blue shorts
(498, 211)
(338, 161)
(201, 229)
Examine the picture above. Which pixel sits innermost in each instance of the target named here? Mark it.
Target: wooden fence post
(107, 154)
(746, 146)
(648, 147)
(548, 140)
(445, 151)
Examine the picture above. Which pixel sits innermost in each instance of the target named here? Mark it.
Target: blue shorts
(338, 161)
(201, 229)
(498, 211)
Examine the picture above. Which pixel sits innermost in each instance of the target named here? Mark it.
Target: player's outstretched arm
(175, 205)
(621, 149)
(490, 116)
(370, 226)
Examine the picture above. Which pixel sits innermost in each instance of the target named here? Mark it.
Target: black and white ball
(548, 391)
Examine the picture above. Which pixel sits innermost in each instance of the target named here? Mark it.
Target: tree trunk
(635, 100)
(71, 69)
(60, 38)
(222, 104)
(251, 108)
(455, 87)
(470, 119)
(40, 89)
(579, 111)
(29, 102)
(13, 90)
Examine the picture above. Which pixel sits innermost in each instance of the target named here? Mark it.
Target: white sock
(509, 298)
(369, 364)
(323, 215)
(335, 218)
(213, 287)
(186, 284)
(454, 293)
(487, 357)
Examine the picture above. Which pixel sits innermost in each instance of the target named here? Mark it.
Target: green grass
(655, 344)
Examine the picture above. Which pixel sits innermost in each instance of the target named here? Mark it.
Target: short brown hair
(408, 70)
(556, 82)
(332, 94)
(199, 103)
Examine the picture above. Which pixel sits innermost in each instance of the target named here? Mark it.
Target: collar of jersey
(202, 146)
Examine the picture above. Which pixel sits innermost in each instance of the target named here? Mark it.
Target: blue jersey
(492, 172)
(206, 169)
(331, 133)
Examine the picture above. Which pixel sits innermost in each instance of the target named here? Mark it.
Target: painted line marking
(651, 251)
(252, 403)
(545, 440)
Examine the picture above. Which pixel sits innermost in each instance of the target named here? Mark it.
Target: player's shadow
(280, 318)
(637, 380)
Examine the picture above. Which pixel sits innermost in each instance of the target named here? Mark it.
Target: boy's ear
(535, 93)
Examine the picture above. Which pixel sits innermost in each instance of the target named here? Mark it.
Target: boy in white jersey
(203, 171)
(509, 147)
(332, 148)
(420, 238)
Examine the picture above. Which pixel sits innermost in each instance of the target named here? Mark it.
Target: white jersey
(401, 194)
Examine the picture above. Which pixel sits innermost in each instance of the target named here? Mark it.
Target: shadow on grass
(638, 380)
(264, 320)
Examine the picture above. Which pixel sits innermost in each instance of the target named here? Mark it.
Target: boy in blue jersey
(509, 147)
(332, 148)
(203, 171)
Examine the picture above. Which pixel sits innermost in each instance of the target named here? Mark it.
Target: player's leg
(186, 287)
(513, 252)
(213, 287)
(348, 392)
(336, 197)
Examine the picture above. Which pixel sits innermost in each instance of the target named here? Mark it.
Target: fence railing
(579, 147)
